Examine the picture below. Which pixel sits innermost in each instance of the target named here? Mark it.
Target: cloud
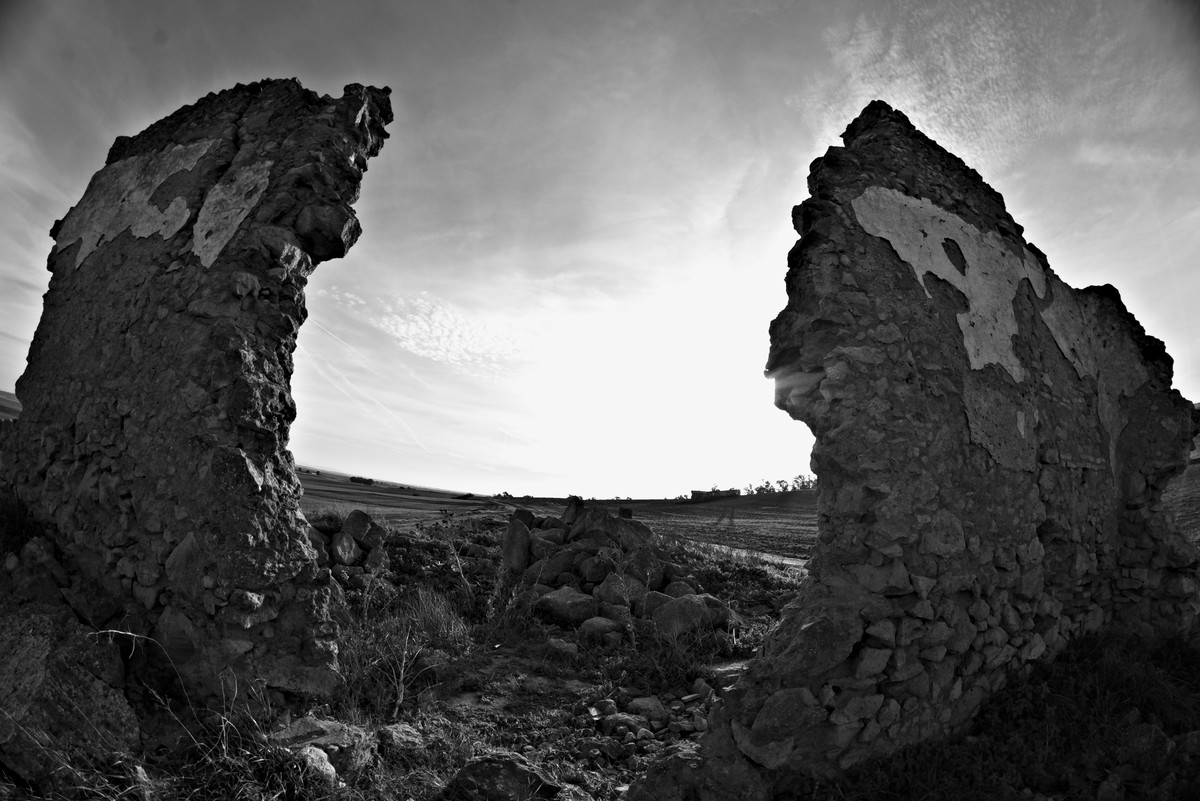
(988, 80)
(436, 329)
(1140, 157)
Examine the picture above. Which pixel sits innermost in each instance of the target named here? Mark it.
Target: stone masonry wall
(991, 447)
(157, 395)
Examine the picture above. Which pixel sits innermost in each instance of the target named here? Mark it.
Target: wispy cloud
(988, 79)
(436, 329)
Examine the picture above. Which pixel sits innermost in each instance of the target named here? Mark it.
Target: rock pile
(156, 402)
(594, 572)
(354, 550)
(991, 446)
(628, 722)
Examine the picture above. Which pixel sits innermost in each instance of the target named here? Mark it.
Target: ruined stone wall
(156, 398)
(991, 447)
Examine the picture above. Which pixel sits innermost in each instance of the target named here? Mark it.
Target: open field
(781, 523)
(10, 407)
(394, 504)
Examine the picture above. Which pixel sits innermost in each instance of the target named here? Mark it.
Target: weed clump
(393, 647)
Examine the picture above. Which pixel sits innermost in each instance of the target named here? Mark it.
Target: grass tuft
(391, 650)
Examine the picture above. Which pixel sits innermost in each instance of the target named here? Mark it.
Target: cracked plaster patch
(916, 229)
(225, 206)
(118, 199)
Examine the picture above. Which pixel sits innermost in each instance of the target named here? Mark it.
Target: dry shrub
(388, 651)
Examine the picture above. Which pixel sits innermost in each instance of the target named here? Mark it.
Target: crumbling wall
(157, 396)
(991, 447)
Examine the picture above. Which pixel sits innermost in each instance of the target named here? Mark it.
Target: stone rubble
(594, 572)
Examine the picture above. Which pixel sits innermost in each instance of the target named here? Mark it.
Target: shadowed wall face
(157, 397)
(991, 450)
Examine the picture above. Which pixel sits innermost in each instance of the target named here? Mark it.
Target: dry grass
(390, 649)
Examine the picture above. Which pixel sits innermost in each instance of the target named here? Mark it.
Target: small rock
(566, 606)
(365, 531)
(593, 629)
(540, 548)
(501, 776)
(596, 568)
(620, 590)
(621, 722)
(647, 568)
(315, 762)
(345, 550)
(682, 615)
(348, 747)
(678, 589)
(376, 560)
(561, 649)
(319, 542)
(649, 707)
(555, 535)
(515, 551)
(400, 742)
(617, 613)
(651, 603)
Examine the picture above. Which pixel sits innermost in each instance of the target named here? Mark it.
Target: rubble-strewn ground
(445, 660)
(447, 663)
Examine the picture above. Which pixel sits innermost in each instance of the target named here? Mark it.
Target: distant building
(704, 495)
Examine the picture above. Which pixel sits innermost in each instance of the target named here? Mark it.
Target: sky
(577, 234)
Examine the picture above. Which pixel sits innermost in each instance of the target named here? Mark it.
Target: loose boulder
(566, 606)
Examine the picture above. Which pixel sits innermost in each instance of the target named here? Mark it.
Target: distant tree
(764, 488)
(361, 480)
(783, 485)
(803, 482)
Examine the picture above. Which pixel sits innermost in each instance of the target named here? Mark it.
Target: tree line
(767, 486)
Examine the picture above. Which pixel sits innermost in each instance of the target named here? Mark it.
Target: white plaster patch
(916, 228)
(1109, 357)
(118, 199)
(226, 205)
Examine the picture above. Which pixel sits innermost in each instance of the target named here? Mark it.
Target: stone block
(566, 606)
(61, 700)
(515, 550)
